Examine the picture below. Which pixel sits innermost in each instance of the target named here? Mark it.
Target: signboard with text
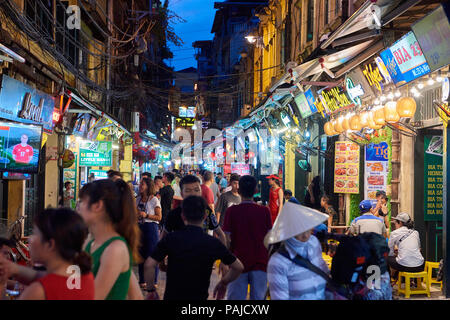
(96, 154)
(241, 169)
(433, 35)
(433, 178)
(404, 60)
(346, 173)
(22, 103)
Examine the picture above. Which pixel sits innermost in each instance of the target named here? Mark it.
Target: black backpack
(349, 263)
(379, 250)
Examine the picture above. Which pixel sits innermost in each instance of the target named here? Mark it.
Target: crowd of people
(182, 223)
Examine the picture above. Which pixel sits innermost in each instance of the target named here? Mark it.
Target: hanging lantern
(390, 112)
(338, 125)
(372, 124)
(355, 123)
(378, 116)
(346, 122)
(328, 128)
(364, 119)
(406, 107)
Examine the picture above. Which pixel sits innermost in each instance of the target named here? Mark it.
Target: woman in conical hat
(293, 230)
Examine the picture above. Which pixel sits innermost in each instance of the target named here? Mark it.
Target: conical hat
(293, 220)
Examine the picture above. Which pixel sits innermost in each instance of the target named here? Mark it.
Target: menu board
(376, 168)
(433, 178)
(346, 169)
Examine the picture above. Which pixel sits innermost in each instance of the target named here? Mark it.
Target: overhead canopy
(368, 16)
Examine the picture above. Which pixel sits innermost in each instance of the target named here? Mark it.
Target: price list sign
(433, 178)
(346, 168)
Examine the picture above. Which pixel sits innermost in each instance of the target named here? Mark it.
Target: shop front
(26, 125)
(93, 144)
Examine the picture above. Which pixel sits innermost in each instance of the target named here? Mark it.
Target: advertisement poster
(241, 169)
(376, 168)
(346, 173)
(96, 154)
(404, 60)
(433, 178)
(20, 145)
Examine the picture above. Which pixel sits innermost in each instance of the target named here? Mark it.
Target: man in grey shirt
(367, 222)
(228, 199)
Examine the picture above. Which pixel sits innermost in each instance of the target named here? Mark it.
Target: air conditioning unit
(134, 122)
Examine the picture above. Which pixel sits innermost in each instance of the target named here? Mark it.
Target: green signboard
(433, 178)
(96, 154)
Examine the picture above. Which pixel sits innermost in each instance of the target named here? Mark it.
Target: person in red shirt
(246, 224)
(57, 242)
(207, 194)
(22, 152)
(275, 197)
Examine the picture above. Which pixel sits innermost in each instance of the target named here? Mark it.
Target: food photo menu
(346, 169)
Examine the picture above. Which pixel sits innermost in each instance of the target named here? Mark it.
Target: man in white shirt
(404, 245)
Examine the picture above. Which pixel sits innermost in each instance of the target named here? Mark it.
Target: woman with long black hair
(149, 209)
(312, 197)
(57, 244)
(109, 210)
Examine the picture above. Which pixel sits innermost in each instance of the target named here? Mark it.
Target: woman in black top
(312, 197)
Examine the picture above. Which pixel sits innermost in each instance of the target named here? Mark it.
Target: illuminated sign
(306, 103)
(354, 92)
(404, 60)
(374, 77)
(185, 122)
(433, 35)
(334, 99)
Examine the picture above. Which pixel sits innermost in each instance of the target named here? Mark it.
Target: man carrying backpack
(367, 222)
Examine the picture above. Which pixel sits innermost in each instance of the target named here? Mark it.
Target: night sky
(199, 16)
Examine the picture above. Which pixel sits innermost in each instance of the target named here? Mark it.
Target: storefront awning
(368, 17)
(95, 111)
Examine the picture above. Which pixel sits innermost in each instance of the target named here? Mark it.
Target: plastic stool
(327, 259)
(429, 266)
(407, 291)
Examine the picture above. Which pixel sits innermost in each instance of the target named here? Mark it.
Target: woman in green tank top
(109, 210)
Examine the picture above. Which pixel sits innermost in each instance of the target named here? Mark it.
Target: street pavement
(436, 293)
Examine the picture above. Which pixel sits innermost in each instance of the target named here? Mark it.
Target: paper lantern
(378, 116)
(406, 107)
(390, 112)
(338, 125)
(372, 124)
(346, 122)
(355, 123)
(364, 119)
(328, 128)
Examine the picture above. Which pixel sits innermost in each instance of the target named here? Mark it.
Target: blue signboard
(377, 152)
(404, 60)
(310, 97)
(22, 103)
